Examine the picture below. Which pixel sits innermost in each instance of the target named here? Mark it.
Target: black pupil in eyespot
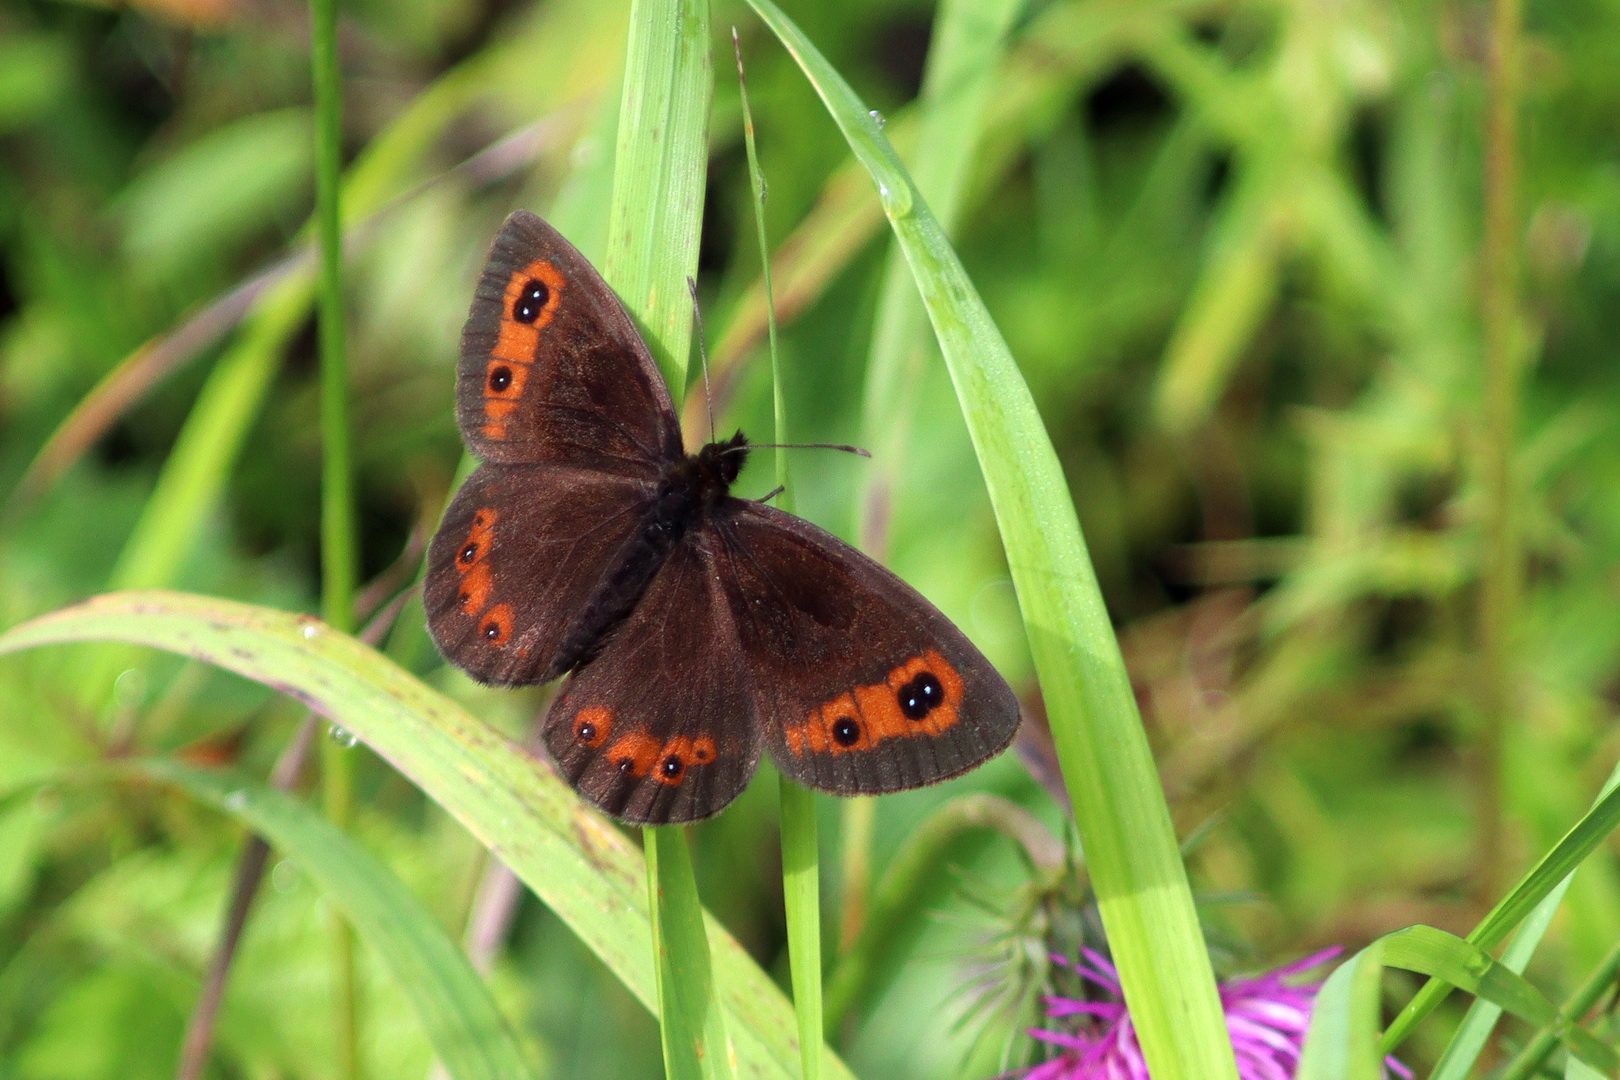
(587, 731)
(672, 766)
(921, 696)
(469, 553)
(492, 631)
(500, 378)
(846, 732)
(531, 301)
(626, 765)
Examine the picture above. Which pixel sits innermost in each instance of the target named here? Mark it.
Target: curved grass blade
(1131, 850)
(1470, 1037)
(1581, 840)
(1343, 1043)
(578, 864)
(963, 56)
(452, 1003)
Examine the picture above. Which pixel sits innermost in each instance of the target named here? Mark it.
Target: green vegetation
(1303, 314)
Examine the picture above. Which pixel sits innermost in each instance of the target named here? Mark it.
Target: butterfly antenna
(703, 353)
(801, 446)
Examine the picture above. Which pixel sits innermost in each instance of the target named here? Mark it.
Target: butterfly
(697, 629)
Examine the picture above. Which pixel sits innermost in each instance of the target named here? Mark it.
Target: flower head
(1267, 1017)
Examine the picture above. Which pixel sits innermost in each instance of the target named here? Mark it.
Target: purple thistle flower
(1266, 1016)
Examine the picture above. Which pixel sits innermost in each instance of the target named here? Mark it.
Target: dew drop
(342, 736)
(310, 630)
(284, 877)
(236, 800)
(896, 200)
(130, 688)
(878, 118)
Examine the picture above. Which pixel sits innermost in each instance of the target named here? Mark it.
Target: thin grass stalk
(1499, 301)
(654, 221)
(337, 497)
(1141, 884)
(801, 855)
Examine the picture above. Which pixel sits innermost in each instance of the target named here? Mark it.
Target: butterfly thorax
(692, 486)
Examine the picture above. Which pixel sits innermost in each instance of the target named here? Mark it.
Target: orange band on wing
(637, 753)
(867, 715)
(634, 753)
(518, 338)
(470, 561)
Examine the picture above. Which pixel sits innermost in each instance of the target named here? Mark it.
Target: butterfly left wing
(552, 367)
(863, 685)
(659, 726)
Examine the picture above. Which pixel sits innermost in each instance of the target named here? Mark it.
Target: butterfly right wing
(516, 561)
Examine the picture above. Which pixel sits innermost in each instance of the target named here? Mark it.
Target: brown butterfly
(697, 628)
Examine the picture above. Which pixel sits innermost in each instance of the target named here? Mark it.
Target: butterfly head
(719, 462)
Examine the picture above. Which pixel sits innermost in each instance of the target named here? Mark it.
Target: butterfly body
(698, 629)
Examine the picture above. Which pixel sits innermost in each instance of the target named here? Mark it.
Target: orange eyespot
(634, 754)
(531, 299)
(593, 725)
(505, 380)
(496, 627)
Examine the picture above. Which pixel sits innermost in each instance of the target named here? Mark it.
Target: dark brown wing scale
(552, 368)
(517, 563)
(864, 685)
(660, 726)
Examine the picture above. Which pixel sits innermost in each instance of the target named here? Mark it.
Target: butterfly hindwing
(552, 368)
(863, 685)
(520, 554)
(659, 726)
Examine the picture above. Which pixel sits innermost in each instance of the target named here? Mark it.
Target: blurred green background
(1234, 247)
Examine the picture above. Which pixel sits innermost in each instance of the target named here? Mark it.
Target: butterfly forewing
(552, 369)
(659, 726)
(519, 555)
(863, 685)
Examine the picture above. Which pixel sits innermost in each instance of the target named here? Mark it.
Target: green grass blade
(689, 1012)
(963, 57)
(1343, 1042)
(1581, 840)
(575, 862)
(1131, 851)
(452, 1003)
(657, 209)
(1599, 982)
(1466, 1044)
(653, 227)
(338, 557)
(337, 480)
(801, 899)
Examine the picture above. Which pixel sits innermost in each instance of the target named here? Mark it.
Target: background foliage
(1232, 245)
